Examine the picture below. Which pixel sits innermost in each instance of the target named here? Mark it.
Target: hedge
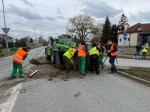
(11, 44)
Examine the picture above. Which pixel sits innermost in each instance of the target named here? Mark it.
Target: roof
(26, 37)
(41, 40)
(135, 28)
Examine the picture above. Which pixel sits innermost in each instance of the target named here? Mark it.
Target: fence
(34, 44)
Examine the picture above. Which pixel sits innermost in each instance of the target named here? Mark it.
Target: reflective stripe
(82, 54)
(114, 53)
(68, 55)
(18, 59)
(19, 56)
(82, 51)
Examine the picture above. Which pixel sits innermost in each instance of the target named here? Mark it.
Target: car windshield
(68, 40)
(61, 40)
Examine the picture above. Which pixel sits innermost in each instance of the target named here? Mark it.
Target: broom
(31, 71)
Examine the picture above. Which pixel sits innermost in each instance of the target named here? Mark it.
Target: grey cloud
(60, 17)
(28, 3)
(59, 14)
(26, 13)
(140, 16)
(50, 18)
(100, 9)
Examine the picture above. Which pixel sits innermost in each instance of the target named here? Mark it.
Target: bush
(11, 44)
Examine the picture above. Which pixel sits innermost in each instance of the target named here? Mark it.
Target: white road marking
(8, 106)
(39, 55)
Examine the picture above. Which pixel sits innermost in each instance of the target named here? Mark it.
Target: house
(1, 37)
(25, 39)
(41, 41)
(95, 40)
(136, 33)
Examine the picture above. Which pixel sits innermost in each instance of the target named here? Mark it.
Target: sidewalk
(131, 62)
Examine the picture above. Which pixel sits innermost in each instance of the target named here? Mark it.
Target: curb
(134, 78)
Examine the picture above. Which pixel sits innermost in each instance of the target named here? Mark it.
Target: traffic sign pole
(125, 37)
(6, 37)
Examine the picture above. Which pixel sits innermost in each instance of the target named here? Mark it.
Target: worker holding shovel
(81, 57)
(101, 55)
(20, 55)
(67, 57)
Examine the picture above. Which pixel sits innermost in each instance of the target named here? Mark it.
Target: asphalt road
(6, 63)
(109, 93)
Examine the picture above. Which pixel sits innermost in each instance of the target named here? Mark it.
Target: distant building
(136, 33)
(25, 39)
(2, 38)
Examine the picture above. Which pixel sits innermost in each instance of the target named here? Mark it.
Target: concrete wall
(132, 42)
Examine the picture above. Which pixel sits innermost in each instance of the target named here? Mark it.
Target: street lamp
(35, 34)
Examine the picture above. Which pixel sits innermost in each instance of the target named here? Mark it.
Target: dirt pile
(52, 71)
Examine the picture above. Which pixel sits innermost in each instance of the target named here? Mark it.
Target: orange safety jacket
(81, 52)
(112, 48)
(18, 57)
(101, 50)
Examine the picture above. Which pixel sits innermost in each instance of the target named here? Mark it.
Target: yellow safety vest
(144, 49)
(94, 51)
(69, 54)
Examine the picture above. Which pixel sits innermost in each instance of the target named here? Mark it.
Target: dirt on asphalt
(46, 70)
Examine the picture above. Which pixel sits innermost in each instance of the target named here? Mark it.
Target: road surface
(109, 93)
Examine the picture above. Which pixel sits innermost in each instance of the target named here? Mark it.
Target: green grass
(141, 72)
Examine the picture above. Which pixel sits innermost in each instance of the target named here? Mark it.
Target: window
(61, 41)
(68, 40)
(139, 28)
(120, 39)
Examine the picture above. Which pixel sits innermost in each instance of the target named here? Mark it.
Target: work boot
(84, 74)
(112, 70)
(13, 77)
(21, 77)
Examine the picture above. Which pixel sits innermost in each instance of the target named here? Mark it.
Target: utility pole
(5, 30)
(34, 32)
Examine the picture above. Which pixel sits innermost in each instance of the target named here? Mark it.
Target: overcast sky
(52, 15)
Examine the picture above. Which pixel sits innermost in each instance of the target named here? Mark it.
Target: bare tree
(81, 25)
(98, 30)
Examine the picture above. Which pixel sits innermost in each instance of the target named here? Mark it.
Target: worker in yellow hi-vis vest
(67, 57)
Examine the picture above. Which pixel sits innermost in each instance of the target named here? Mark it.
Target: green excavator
(54, 51)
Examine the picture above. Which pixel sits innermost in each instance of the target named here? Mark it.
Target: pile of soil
(52, 71)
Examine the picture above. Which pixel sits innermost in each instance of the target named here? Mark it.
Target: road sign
(14, 39)
(6, 30)
(8, 37)
(125, 27)
(125, 36)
